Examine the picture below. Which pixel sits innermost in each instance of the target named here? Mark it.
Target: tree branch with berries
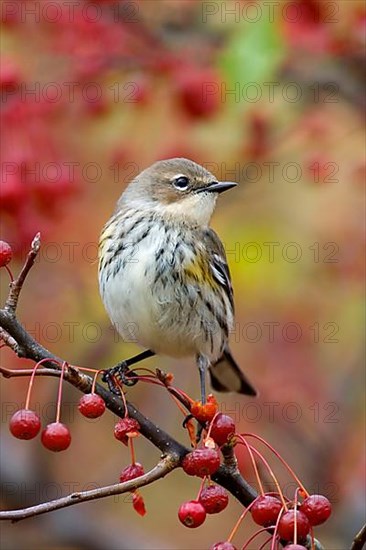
(213, 436)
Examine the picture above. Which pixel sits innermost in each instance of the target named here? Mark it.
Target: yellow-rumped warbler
(163, 273)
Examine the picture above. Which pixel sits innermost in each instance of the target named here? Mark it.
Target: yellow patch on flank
(198, 271)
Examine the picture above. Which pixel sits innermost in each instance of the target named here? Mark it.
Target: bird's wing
(218, 263)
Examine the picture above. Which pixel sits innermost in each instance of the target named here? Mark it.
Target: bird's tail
(226, 376)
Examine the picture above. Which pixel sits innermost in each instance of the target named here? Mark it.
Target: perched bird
(163, 274)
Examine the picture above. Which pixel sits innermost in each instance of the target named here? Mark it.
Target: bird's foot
(119, 375)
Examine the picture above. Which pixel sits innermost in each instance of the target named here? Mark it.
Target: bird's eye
(181, 183)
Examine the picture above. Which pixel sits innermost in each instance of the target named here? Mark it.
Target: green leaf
(253, 54)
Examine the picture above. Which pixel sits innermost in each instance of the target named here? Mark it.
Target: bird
(163, 273)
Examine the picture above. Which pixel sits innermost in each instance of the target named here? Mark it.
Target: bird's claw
(117, 376)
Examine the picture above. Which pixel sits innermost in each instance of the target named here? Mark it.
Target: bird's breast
(156, 289)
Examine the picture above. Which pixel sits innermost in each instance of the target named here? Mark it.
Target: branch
(25, 346)
(227, 476)
(360, 539)
(13, 373)
(17, 285)
(9, 341)
(33, 350)
(163, 468)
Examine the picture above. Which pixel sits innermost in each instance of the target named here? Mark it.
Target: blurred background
(269, 94)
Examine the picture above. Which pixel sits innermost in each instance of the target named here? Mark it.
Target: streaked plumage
(163, 273)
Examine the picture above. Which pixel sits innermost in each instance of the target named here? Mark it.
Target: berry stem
(279, 458)
(95, 381)
(180, 407)
(244, 442)
(146, 378)
(237, 524)
(201, 487)
(132, 450)
(123, 397)
(59, 396)
(271, 473)
(10, 273)
(295, 515)
(263, 530)
(265, 543)
(31, 381)
(145, 369)
(276, 528)
(312, 538)
(211, 424)
(86, 369)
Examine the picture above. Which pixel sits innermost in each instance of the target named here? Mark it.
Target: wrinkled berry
(126, 427)
(91, 405)
(201, 462)
(131, 472)
(214, 499)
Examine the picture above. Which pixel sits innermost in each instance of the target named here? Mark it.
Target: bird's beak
(217, 187)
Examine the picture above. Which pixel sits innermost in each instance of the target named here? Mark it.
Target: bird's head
(177, 187)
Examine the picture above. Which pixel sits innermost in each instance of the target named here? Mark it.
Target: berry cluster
(288, 520)
(125, 431)
(204, 462)
(26, 424)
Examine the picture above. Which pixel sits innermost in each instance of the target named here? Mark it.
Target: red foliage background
(268, 95)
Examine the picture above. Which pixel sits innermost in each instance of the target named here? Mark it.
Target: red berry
(222, 546)
(56, 437)
(131, 472)
(10, 75)
(198, 92)
(192, 513)
(6, 254)
(294, 547)
(25, 424)
(201, 462)
(223, 428)
(13, 193)
(286, 525)
(214, 499)
(125, 428)
(265, 510)
(317, 509)
(91, 405)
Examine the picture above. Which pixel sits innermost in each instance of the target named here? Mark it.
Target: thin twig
(360, 539)
(16, 286)
(9, 341)
(13, 373)
(166, 465)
